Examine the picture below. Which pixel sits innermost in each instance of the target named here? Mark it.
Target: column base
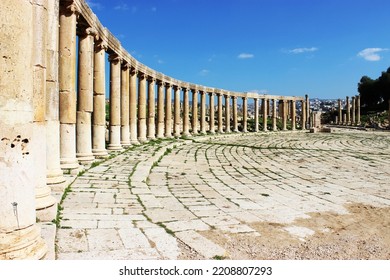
(186, 134)
(125, 144)
(114, 147)
(69, 163)
(142, 140)
(100, 153)
(151, 137)
(177, 135)
(135, 142)
(85, 158)
(55, 176)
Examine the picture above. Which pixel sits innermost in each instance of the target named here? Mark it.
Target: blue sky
(296, 47)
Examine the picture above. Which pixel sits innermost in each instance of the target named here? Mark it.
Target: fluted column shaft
(99, 102)
(133, 107)
(348, 121)
(293, 114)
(235, 119)
(160, 109)
(168, 111)
(256, 102)
(151, 109)
(220, 113)
(142, 108)
(186, 111)
(265, 114)
(244, 114)
(202, 112)
(212, 114)
(274, 116)
(125, 105)
(176, 130)
(115, 103)
(227, 113)
(67, 82)
(194, 120)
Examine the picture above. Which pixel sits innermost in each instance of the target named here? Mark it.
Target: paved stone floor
(156, 200)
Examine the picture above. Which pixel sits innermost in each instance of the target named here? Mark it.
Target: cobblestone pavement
(155, 201)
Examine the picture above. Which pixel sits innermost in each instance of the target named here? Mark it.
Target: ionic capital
(133, 71)
(125, 65)
(142, 75)
(114, 58)
(151, 79)
(101, 45)
(69, 8)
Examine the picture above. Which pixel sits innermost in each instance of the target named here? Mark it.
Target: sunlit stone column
(353, 119)
(358, 109)
(160, 109)
(235, 119)
(194, 120)
(54, 174)
(22, 121)
(344, 119)
(168, 111)
(115, 102)
(67, 84)
(256, 103)
(303, 121)
(125, 105)
(274, 116)
(151, 108)
(85, 96)
(307, 120)
(348, 120)
(227, 113)
(186, 112)
(293, 114)
(211, 104)
(176, 129)
(142, 108)
(99, 101)
(202, 112)
(284, 113)
(265, 114)
(133, 107)
(340, 110)
(220, 113)
(244, 114)
(268, 107)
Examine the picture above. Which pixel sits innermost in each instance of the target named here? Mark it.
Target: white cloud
(204, 72)
(245, 55)
(302, 50)
(371, 54)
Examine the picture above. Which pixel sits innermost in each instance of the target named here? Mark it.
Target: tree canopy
(374, 94)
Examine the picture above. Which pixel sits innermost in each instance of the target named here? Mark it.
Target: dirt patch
(364, 233)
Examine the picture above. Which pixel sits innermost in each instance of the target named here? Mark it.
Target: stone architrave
(176, 129)
(151, 108)
(67, 85)
(168, 111)
(125, 105)
(22, 121)
(227, 113)
(293, 114)
(274, 116)
(133, 106)
(265, 114)
(244, 114)
(186, 112)
(212, 114)
(348, 109)
(194, 120)
(54, 174)
(85, 96)
(115, 103)
(235, 118)
(256, 103)
(202, 112)
(340, 112)
(142, 107)
(220, 113)
(99, 101)
(160, 109)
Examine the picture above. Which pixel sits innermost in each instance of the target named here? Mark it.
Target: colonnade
(351, 114)
(53, 109)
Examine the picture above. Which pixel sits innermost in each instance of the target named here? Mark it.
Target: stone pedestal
(176, 129)
(125, 105)
(168, 111)
(227, 113)
(212, 114)
(151, 109)
(160, 109)
(133, 107)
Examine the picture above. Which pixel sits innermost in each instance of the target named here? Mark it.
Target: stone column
(67, 83)
(274, 116)
(202, 112)
(353, 119)
(194, 123)
(133, 106)
(284, 113)
(235, 119)
(307, 110)
(160, 109)
(211, 104)
(176, 129)
(227, 113)
(220, 113)
(344, 119)
(358, 109)
(151, 108)
(125, 105)
(186, 111)
(256, 103)
(265, 114)
(85, 97)
(348, 120)
(340, 111)
(168, 111)
(22, 121)
(244, 114)
(54, 174)
(99, 102)
(268, 107)
(142, 107)
(115, 103)
(303, 121)
(293, 114)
